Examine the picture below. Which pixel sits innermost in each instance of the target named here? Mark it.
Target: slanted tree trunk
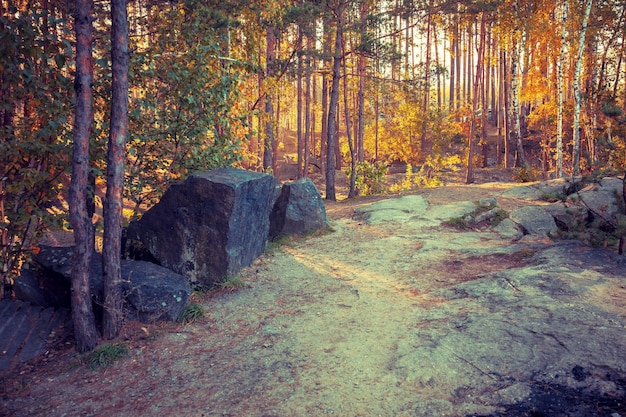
(82, 311)
(113, 314)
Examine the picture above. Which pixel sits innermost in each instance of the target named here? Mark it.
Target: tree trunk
(577, 96)
(475, 97)
(332, 115)
(559, 70)
(515, 101)
(268, 146)
(361, 68)
(426, 97)
(453, 58)
(622, 238)
(507, 110)
(351, 191)
(324, 133)
(307, 111)
(113, 313)
(82, 311)
(299, 93)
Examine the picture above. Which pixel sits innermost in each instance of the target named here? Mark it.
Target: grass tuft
(191, 313)
(233, 284)
(104, 355)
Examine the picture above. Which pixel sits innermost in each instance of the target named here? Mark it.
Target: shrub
(370, 177)
(524, 174)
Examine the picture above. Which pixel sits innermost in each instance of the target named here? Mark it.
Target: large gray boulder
(150, 291)
(541, 190)
(599, 201)
(210, 226)
(299, 209)
(534, 220)
(27, 287)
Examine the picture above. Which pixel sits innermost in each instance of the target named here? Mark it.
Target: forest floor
(398, 318)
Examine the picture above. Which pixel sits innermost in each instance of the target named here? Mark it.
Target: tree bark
(577, 95)
(268, 146)
(361, 68)
(475, 97)
(113, 313)
(426, 97)
(515, 100)
(307, 110)
(82, 311)
(622, 238)
(352, 182)
(559, 69)
(332, 115)
(299, 93)
(453, 58)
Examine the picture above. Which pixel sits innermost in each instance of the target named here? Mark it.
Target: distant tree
(577, 94)
(270, 58)
(560, 63)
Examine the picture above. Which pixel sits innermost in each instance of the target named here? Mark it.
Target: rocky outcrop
(599, 201)
(151, 292)
(534, 220)
(210, 226)
(298, 210)
(399, 210)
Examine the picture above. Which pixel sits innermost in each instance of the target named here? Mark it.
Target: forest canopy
(430, 84)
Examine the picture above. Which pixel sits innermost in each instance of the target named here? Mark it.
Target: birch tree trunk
(577, 96)
(515, 101)
(559, 70)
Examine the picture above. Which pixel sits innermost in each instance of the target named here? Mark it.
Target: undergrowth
(191, 313)
(104, 355)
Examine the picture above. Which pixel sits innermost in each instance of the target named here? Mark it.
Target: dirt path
(369, 320)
